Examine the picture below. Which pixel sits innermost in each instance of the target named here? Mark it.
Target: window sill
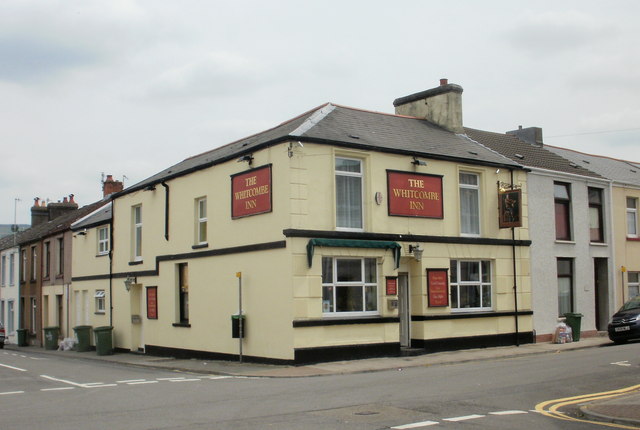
(102, 254)
(633, 239)
(135, 263)
(200, 246)
(181, 324)
(99, 313)
(565, 242)
(598, 244)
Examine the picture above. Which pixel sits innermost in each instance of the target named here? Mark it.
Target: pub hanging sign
(414, 194)
(510, 208)
(251, 192)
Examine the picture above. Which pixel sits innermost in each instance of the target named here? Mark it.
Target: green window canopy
(354, 243)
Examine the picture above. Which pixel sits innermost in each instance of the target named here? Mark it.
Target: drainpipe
(166, 210)
(113, 206)
(515, 279)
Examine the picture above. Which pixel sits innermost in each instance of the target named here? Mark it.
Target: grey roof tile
(528, 155)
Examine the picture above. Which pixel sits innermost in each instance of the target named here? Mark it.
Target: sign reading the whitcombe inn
(414, 194)
(251, 192)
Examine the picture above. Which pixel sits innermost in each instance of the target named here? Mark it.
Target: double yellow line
(553, 412)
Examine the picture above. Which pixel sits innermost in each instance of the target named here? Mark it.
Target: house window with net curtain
(469, 204)
(349, 194)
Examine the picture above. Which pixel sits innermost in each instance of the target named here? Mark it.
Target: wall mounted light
(417, 251)
(248, 158)
(128, 283)
(417, 162)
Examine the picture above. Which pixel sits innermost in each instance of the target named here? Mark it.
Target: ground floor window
(633, 282)
(34, 312)
(565, 285)
(349, 286)
(10, 317)
(471, 285)
(100, 302)
(183, 292)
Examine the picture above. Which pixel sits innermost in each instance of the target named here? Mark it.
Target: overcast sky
(129, 88)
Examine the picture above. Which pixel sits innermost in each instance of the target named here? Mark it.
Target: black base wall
(471, 342)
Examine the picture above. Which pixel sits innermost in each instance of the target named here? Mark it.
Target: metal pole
(240, 332)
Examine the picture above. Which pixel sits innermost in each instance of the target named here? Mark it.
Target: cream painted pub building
(339, 234)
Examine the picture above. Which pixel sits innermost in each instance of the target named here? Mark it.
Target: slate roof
(347, 127)
(528, 155)
(56, 225)
(622, 171)
(100, 216)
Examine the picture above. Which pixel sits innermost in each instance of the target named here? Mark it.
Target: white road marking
(11, 392)
(93, 383)
(64, 381)
(126, 381)
(622, 363)
(57, 389)
(184, 380)
(415, 425)
(508, 412)
(142, 382)
(465, 418)
(170, 379)
(14, 368)
(101, 386)
(218, 377)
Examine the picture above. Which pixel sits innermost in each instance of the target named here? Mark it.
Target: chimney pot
(444, 81)
(64, 200)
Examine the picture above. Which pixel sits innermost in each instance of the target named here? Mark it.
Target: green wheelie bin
(83, 333)
(51, 335)
(574, 321)
(104, 340)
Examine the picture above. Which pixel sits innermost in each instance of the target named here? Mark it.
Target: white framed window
(565, 285)
(201, 221)
(471, 285)
(100, 301)
(3, 274)
(137, 232)
(46, 266)
(2, 312)
(12, 270)
(103, 240)
(349, 286)
(60, 256)
(633, 284)
(10, 317)
(34, 263)
(469, 203)
(34, 313)
(349, 188)
(632, 217)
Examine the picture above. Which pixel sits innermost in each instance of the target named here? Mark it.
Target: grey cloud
(23, 60)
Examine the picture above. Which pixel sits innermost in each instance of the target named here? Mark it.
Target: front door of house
(404, 309)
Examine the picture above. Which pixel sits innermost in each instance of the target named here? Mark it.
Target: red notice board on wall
(392, 285)
(438, 287)
(251, 192)
(152, 303)
(414, 194)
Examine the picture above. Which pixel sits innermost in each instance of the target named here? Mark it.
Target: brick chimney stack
(39, 213)
(61, 208)
(441, 105)
(110, 186)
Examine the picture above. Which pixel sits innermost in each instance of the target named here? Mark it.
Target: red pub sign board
(251, 192)
(414, 194)
(438, 287)
(152, 303)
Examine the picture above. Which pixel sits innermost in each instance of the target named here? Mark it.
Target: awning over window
(99, 294)
(354, 243)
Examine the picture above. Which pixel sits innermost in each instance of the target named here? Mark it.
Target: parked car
(625, 324)
(2, 336)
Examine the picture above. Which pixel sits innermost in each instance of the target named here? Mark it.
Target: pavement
(624, 409)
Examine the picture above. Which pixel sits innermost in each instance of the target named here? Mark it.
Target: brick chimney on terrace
(41, 212)
(110, 186)
(440, 105)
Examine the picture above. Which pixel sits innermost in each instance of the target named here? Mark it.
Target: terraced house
(341, 233)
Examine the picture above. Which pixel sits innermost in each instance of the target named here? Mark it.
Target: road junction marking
(550, 408)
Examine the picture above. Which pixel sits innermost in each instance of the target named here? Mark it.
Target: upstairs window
(596, 223)
(12, 270)
(47, 260)
(34, 263)
(103, 240)
(4, 269)
(201, 221)
(349, 194)
(562, 201)
(632, 217)
(60, 256)
(137, 232)
(469, 204)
